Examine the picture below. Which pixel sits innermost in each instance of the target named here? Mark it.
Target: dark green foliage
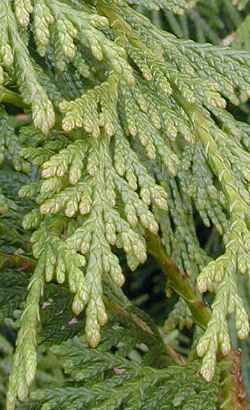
(101, 380)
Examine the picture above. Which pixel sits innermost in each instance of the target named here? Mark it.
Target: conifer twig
(177, 357)
(147, 326)
(229, 39)
(234, 396)
(19, 261)
(10, 97)
(141, 320)
(21, 119)
(179, 281)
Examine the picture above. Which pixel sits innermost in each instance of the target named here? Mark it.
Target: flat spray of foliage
(124, 135)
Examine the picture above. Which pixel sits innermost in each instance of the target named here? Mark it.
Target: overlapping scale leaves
(140, 140)
(176, 6)
(117, 382)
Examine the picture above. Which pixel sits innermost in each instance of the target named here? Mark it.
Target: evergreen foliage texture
(123, 137)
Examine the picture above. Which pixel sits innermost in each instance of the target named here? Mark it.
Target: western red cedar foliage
(118, 142)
